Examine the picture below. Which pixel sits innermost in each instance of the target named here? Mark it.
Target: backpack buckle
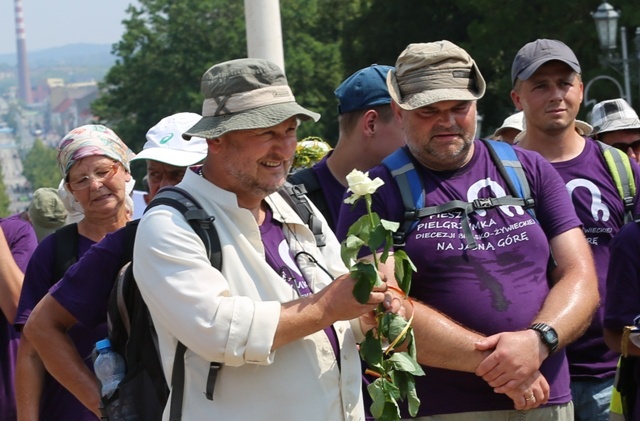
(483, 203)
(399, 238)
(628, 202)
(411, 214)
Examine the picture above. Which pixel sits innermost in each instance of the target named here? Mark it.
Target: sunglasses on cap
(635, 146)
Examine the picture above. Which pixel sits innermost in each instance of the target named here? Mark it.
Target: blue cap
(364, 89)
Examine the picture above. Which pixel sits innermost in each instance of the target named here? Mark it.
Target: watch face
(550, 336)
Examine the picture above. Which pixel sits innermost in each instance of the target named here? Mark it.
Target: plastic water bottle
(109, 367)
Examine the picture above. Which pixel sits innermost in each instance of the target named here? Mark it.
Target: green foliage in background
(5, 201)
(166, 48)
(168, 45)
(40, 167)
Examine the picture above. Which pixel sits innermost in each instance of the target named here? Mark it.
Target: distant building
(70, 104)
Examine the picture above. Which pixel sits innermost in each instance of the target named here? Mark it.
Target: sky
(54, 23)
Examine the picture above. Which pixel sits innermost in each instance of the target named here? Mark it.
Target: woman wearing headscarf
(95, 166)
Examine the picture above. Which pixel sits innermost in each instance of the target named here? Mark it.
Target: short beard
(255, 186)
(435, 159)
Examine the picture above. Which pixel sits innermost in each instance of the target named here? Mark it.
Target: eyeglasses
(100, 175)
(635, 145)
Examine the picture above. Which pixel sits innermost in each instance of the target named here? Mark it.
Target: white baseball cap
(165, 143)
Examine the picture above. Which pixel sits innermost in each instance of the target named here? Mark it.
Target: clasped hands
(512, 367)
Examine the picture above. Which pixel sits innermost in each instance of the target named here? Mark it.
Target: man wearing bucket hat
(547, 86)
(368, 133)
(617, 124)
(478, 310)
(272, 316)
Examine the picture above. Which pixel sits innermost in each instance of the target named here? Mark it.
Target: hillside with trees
(40, 167)
(168, 45)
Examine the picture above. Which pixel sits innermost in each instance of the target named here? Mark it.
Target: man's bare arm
(46, 329)
(568, 308)
(11, 278)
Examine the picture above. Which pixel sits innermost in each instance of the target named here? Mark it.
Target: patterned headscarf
(90, 140)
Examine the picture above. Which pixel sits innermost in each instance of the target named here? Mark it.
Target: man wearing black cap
(277, 315)
(368, 133)
(547, 86)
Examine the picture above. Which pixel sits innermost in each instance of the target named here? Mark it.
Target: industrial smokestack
(24, 84)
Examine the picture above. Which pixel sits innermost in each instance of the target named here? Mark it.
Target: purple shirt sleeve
(21, 239)
(84, 290)
(37, 279)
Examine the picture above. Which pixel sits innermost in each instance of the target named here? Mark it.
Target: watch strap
(542, 329)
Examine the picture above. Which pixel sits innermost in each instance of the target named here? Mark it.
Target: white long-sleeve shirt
(231, 316)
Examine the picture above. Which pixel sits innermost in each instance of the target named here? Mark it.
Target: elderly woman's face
(98, 184)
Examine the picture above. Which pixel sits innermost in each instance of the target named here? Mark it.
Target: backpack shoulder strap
(294, 195)
(198, 219)
(129, 238)
(403, 170)
(620, 169)
(401, 166)
(202, 224)
(66, 241)
(308, 182)
(510, 168)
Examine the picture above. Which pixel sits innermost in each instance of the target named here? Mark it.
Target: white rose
(360, 185)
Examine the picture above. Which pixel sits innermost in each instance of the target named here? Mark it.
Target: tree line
(168, 45)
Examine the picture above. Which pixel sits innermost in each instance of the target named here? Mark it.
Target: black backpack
(143, 392)
(308, 183)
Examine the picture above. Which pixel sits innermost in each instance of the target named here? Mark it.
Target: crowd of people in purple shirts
(519, 308)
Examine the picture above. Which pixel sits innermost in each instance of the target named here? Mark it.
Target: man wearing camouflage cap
(479, 309)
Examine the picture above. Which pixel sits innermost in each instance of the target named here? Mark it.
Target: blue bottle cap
(103, 344)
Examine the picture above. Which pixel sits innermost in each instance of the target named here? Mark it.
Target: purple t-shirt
(279, 257)
(56, 402)
(332, 190)
(498, 287)
(600, 208)
(84, 289)
(22, 241)
(622, 302)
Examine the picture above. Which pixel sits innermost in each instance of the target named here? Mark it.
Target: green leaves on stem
(394, 369)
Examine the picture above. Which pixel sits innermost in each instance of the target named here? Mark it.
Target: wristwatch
(548, 335)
